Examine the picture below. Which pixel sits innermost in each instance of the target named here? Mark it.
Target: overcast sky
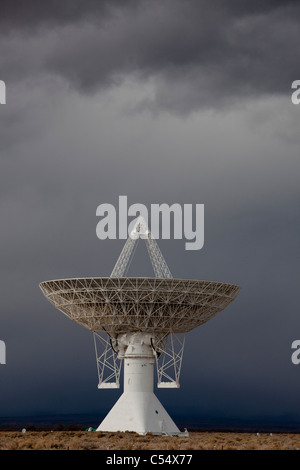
(163, 101)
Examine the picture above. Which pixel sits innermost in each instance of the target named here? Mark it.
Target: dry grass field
(84, 440)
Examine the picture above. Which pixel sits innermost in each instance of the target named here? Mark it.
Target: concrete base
(139, 412)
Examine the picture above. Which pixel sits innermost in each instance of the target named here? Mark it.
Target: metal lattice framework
(169, 354)
(162, 307)
(119, 305)
(108, 363)
(159, 307)
(140, 230)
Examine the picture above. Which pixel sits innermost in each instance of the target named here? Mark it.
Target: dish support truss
(140, 230)
(167, 351)
(108, 363)
(169, 354)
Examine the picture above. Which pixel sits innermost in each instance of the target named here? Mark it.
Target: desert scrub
(84, 440)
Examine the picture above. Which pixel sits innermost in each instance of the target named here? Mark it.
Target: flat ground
(85, 440)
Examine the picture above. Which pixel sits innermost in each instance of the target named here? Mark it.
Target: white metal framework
(169, 354)
(141, 230)
(108, 363)
(159, 307)
(118, 305)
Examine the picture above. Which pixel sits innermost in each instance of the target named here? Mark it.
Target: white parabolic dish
(119, 305)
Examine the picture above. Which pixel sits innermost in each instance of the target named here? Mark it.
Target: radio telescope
(142, 323)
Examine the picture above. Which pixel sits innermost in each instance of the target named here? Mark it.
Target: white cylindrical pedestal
(138, 364)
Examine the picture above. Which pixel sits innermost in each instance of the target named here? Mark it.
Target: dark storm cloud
(63, 151)
(26, 14)
(197, 53)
